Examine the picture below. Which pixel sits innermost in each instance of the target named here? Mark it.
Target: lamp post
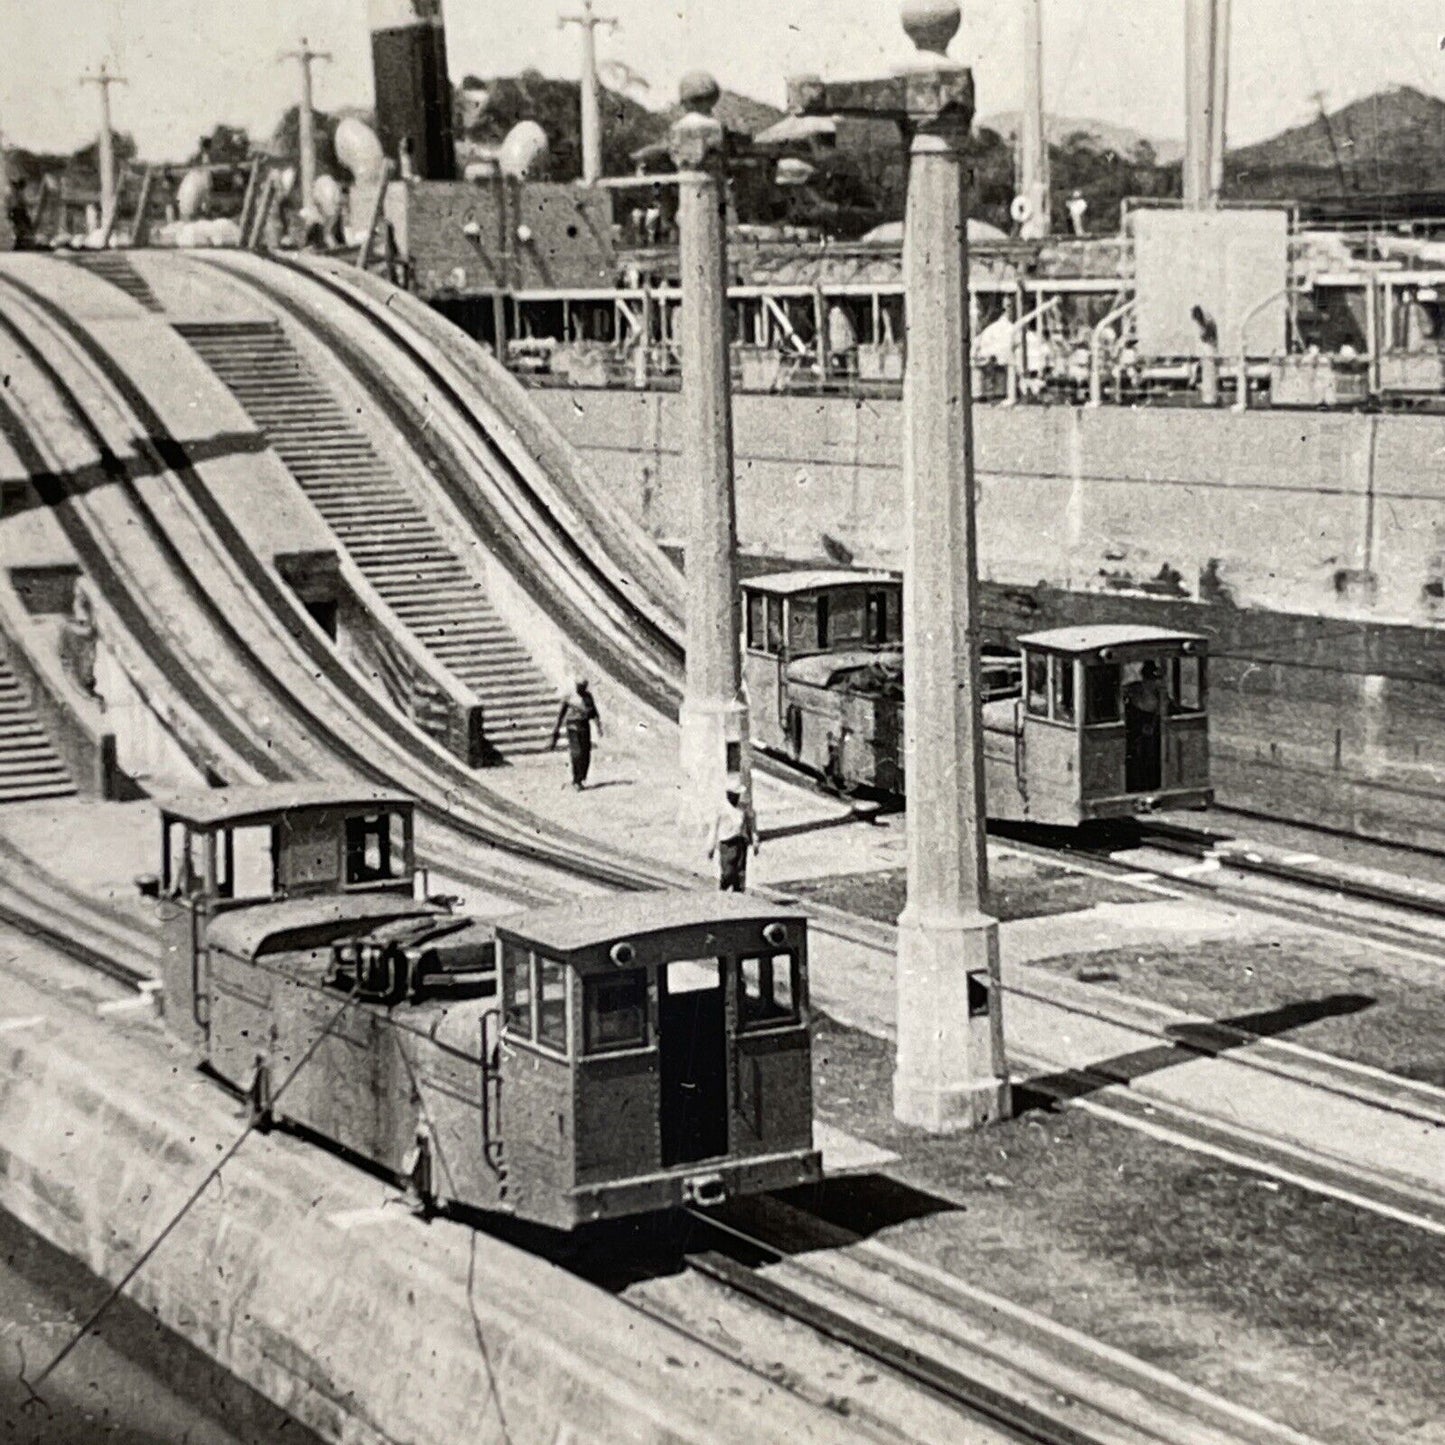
(950, 1072)
(713, 721)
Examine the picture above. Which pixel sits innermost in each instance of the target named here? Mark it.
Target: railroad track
(918, 1352)
(463, 812)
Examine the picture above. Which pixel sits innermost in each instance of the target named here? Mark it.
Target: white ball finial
(698, 92)
(932, 24)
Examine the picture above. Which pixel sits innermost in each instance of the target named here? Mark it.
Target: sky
(192, 63)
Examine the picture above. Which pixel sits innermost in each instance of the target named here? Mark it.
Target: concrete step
(386, 532)
(34, 792)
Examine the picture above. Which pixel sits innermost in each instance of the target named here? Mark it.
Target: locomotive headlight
(623, 954)
(776, 934)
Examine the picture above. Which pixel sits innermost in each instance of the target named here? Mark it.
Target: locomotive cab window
(764, 623)
(1038, 684)
(758, 623)
(246, 863)
(176, 873)
(1187, 690)
(768, 991)
(517, 990)
(846, 620)
(551, 994)
(615, 1011)
(1063, 689)
(884, 618)
(1102, 682)
(375, 848)
(803, 631)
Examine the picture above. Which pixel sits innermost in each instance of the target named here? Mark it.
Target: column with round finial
(713, 718)
(950, 1071)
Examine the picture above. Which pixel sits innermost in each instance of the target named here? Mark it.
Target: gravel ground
(1321, 1315)
(1019, 888)
(1374, 1006)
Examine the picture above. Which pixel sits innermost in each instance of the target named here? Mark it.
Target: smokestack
(413, 93)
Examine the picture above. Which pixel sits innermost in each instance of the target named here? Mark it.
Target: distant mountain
(743, 113)
(627, 125)
(1391, 141)
(1102, 136)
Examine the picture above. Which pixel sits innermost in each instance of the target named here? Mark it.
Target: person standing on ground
(21, 226)
(577, 714)
(733, 830)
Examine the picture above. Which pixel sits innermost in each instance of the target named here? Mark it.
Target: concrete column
(1033, 134)
(713, 719)
(950, 1071)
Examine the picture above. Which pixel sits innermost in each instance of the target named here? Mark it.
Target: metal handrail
(1096, 380)
(1015, 331)
(1241, 400)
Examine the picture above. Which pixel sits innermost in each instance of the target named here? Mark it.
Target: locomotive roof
(208, 807)
(1111, 634)
(587, 922)
(245, 931)
(783, 584)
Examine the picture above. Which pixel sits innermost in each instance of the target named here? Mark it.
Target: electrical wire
(211, 1174)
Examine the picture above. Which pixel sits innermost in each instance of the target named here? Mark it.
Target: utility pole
(588, 22)
(950, 1072)
(1220, 116)
(103, 80)
(713, 719)
(1033, 134)
(306, 118)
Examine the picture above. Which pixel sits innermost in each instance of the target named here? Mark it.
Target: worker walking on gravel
(577, 714)
(734, 830)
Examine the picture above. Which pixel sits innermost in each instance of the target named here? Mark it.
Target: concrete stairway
(387, 533)
(29, 766)
(113, 267)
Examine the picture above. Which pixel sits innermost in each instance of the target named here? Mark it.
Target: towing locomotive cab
(660, 1048)
(1078, 722)
(644, 1052)
(1113, 722)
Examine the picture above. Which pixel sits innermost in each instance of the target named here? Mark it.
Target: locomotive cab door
(184, 892)
(764, 657)
(692, 1064)
(1145, 701)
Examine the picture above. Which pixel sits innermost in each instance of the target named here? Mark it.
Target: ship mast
(588, 22)
(1206, 93)
(105, 154)
(1220, 117)
(306, 118)
(1033, 137)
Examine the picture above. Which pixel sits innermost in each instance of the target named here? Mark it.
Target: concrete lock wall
(1310, 547)
(360, 1322)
